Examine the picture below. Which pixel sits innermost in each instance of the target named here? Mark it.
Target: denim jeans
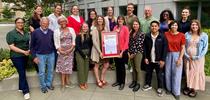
(20, 65)
(46, 66)
(173, 73)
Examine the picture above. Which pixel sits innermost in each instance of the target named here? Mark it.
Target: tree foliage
(24, 5)
(7, 12)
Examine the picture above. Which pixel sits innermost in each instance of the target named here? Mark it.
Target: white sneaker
(26, 96)
(146, 88)
(19, 90)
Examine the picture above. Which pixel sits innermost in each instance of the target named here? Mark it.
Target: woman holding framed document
(96, 52)
(123, 32)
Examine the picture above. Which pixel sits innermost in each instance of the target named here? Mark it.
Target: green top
(129, 21)
(19, 40)
(145, 24)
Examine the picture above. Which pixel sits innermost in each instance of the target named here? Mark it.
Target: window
(123, 10)
(205, 12)
(104, 11)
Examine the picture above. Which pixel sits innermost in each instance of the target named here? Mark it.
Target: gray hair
(44, 18)
(62, 17)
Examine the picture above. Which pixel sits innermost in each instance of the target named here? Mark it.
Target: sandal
(192, 94)
(82, 86)
(104, 82)
(100, 84)
(186, 91)
(86, 85)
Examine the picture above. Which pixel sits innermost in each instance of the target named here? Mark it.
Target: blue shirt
(202, 45)
(42, 43)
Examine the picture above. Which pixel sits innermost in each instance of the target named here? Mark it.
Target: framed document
(110, 44)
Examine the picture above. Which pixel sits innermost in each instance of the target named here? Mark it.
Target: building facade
(198, 7)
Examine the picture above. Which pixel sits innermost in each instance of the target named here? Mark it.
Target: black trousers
(159, 73)
(120, 67)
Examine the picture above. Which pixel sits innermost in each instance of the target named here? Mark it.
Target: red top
(75, 24)
(123, 37)
(175, 41)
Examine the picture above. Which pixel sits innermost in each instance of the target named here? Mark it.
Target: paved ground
(95, 93)
(4, 29)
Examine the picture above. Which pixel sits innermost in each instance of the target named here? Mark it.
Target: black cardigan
(87, 44)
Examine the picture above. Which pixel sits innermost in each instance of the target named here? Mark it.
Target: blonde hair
(82, 32)
(199, 26)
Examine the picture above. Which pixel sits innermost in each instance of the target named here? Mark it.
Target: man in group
(43, 53)
(130, 17)
(148, 18)
(53, 18)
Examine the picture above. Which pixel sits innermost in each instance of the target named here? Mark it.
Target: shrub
(207, 57)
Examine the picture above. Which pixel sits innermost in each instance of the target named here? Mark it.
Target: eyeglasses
(166, 14)
(19, 22)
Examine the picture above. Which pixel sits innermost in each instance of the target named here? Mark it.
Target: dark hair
(73, 7)
(172, 23)
(187, 8)
(35, 16)
(19, 19)
(132, 29)
(199, 25)
(171, 16)
(155, 22)
(58, 4)
(130, 4)
(89, 21)
(120, 17)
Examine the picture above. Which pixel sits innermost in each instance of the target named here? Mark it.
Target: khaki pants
(82, 67)
(136, 64)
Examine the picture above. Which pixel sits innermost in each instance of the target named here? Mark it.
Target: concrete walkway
(95, 93)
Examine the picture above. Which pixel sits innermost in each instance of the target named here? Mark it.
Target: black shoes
(50, 87)
(44, 90)
(115, 84)
(132, 85)
(136, 87)
(121, 86)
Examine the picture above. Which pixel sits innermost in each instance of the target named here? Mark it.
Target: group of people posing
(166, 45)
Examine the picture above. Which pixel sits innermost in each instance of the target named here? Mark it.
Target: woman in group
(184, 23)
(96, 53)
(92, 15)
(110, 19)
(196, 48)
(34, 21)
(64, 39)
(135, 51)
(110, 23)
(174, 61)
(75, 21)
(83, 46)
(166, 17)
(123, 32)
(18, 41)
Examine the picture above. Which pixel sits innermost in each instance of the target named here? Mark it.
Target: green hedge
(207, 57)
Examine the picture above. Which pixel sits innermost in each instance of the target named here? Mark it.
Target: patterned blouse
(136, 43)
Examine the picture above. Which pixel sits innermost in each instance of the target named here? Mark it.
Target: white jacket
(57, 39)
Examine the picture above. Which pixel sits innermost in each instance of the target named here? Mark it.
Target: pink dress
(195, 69)
(65, 62)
